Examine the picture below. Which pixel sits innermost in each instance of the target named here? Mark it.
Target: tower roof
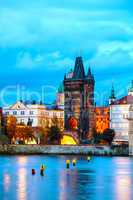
(112, 96)
(79, 72)
(61, 88)
(89, 74)
(131, 88)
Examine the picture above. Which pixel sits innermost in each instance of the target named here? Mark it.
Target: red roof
(124, 100)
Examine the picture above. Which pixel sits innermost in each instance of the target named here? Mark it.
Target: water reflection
(7, 182)
(22, 160)
(101, 179)
(22, 184)
(123, 179)
(75, 184)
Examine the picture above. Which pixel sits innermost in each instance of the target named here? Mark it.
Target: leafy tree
(54, 135)
(4, 139)
(11, 123)
(23, 133)
(40, 135)
(108, 135)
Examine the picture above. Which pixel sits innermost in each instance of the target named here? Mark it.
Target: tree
(108, 135)
(54, 132)
(54, 135)
(11, 123)
(40, 135)
(96, 137)
(24, 133)
(4, 139)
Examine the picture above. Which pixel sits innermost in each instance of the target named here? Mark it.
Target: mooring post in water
(33, 171)
(88, 158)
(42, 170)
(67, 164)
(74, 162)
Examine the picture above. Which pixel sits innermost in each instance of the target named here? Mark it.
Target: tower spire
(79, 72)
(90, 76)
(130, 91)
(112, 96)
(89, 72)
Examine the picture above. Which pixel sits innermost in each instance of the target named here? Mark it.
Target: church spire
(79, 72)
(130, 91)
(112, 96)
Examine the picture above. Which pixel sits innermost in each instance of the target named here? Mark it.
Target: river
(103, 178)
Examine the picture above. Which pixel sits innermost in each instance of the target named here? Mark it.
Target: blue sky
(39, 41)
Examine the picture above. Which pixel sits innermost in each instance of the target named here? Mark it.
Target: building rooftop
(124, 100)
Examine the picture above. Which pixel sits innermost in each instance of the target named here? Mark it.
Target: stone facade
(79, 99)
(62, 150)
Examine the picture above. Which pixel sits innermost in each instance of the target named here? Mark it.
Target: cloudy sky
(39, 40)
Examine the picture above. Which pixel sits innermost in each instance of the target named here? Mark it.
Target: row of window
(22, 120)
(32, 113)
(22, 113)
(119, 125)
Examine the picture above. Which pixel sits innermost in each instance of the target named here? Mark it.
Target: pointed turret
(112, 97)
(89, 72)
(79, 72)
(61, 88)
(130, 91)
(90, 75)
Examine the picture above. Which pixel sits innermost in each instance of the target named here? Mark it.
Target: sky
(39, 40)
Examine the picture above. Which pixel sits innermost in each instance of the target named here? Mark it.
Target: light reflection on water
(7, 182)
(102, 178)
(22, 184)
(123, 179)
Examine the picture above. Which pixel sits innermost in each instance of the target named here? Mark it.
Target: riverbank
(63, 150)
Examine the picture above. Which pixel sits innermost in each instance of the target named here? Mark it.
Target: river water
(103, 178)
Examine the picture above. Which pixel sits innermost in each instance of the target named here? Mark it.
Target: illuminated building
(35, 115)
(129, 117)
(79, 99)
(119, 110)
(102, 119)
(50, 115)
(25, 113)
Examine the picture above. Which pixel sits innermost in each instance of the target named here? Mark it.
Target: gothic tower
(79, 99)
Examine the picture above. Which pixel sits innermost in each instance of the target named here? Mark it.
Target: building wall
(119, 122)
(79, 99)
(102, 119)
(37, 113)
